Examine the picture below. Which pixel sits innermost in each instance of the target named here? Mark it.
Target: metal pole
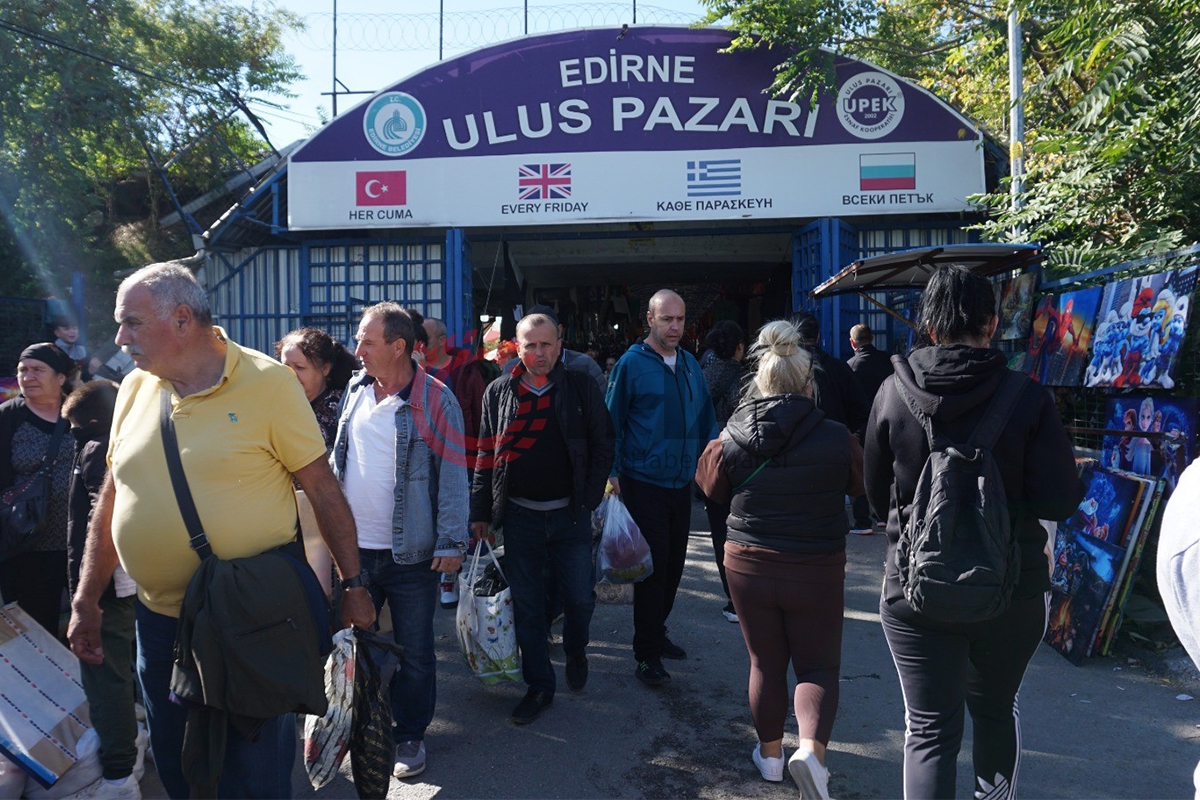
(635, 12)
(1016, 113)
(526, 17)
(441, 26)
(335, 91)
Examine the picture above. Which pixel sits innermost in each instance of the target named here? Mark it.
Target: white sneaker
(729, 614)
(410, 759)
(770, 768)
(125, 789)
(809, 775)
(449, 591)
(863, 531)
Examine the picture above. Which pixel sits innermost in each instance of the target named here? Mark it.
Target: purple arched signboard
(655, 124)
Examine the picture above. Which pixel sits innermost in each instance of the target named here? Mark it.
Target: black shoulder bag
(24, 506)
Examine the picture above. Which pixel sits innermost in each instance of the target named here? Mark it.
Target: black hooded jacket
(954, 384)
(797, 502)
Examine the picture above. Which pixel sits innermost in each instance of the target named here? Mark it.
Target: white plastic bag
(623, 555)
(327, 738)
(485, 626)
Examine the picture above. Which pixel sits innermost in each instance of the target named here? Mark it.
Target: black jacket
(838, 392)
(585, 424)
(797, 502)
(954, 384)
(91, 466)
(872, 367)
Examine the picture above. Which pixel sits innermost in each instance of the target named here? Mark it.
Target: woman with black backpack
(945, 665)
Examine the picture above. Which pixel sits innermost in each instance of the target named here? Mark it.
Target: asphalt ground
(1110, 728)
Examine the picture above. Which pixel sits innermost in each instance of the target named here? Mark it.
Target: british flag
(544, 181)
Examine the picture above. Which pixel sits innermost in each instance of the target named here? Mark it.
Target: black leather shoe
(577, 672)
(672, 650)
(534, 703)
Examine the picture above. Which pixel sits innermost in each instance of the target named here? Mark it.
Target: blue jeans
(557, 544)
(411, 593)
(262, 768)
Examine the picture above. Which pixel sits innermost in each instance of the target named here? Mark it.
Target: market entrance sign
(655, 124)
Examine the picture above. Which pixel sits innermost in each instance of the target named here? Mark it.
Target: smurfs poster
(1164, 455)
(1140, 330)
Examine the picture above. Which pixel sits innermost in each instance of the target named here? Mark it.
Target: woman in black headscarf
(37, 576)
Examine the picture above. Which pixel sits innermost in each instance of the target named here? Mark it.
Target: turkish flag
(380, 188)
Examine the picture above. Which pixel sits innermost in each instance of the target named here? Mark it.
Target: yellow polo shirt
(239, 441)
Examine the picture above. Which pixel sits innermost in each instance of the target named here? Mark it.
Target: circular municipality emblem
(870, 105)
(394, 123)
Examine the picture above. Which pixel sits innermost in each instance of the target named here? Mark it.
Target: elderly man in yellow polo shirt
(244, 429)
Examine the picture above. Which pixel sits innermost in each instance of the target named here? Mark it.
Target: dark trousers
(554, 546)
(109, 688)
(411, 594)
(718, 524)
(258, 769)
(862, 512)
(943, 668)
(790, 608)
(664, 517)
(36, 580)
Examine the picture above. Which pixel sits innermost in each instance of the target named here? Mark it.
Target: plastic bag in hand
(327, 738)
(623, 555)
(371, 745)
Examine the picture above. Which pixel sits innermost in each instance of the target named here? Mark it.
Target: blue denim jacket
(430, 515)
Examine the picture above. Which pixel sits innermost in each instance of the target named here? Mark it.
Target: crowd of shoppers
(397, 457)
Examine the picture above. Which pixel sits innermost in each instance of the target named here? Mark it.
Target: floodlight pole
(335, 80)
(1016, 112)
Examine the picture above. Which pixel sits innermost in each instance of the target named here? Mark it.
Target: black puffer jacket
(954, 384)
(796, 503)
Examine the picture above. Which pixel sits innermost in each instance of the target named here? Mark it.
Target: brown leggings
(789, 608)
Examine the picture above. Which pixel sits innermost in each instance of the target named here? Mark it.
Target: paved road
(1106, 729)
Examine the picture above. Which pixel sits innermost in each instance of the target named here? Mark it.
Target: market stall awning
(910, 269)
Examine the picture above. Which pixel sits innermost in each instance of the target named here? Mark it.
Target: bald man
(663, 418)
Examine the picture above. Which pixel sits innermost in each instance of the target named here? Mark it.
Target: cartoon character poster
(1162, 456)
(1061, 335)
(1140, 329)
(1105, 510)
(1085, 572)
(1016, 302)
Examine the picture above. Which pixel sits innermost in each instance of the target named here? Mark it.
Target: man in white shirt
(409, 504)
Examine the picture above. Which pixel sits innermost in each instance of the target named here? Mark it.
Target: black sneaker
(672, 650)
(577, 673)
(531, 705)
(652, 673)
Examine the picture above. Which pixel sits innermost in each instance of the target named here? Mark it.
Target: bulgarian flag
(887, 171)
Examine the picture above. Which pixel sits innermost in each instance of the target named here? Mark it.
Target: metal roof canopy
(910, 269)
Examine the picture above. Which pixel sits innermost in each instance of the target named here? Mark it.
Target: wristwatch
(360, 581)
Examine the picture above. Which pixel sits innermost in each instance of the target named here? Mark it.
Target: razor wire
(463, 30)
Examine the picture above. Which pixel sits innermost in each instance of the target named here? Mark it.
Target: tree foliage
(89, 91)
(1112, 102)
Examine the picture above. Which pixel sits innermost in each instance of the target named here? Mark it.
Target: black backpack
(957, 556)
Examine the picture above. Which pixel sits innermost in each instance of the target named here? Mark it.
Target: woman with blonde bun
(785, 470)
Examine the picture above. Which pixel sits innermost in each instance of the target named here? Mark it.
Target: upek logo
(394, 123)
(870, 105)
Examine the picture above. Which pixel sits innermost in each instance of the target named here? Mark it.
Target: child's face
(68, 333)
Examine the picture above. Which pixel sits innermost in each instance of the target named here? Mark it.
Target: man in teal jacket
(663, 418)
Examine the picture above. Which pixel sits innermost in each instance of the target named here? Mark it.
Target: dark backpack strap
(183, 495)
(923, 418)
(51, 456)
(999, 410)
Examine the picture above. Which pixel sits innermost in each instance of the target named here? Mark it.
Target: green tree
(89, 89)
(1112, 102)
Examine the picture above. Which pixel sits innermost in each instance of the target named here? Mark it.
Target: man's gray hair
(439, 327)
(172, 285)
(533, 320)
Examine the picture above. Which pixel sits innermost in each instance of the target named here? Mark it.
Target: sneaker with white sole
(867, 531)
(125, 789)
(729, 614)
(810, 775)
(770, 768)
(410, 759)
(448, 587)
